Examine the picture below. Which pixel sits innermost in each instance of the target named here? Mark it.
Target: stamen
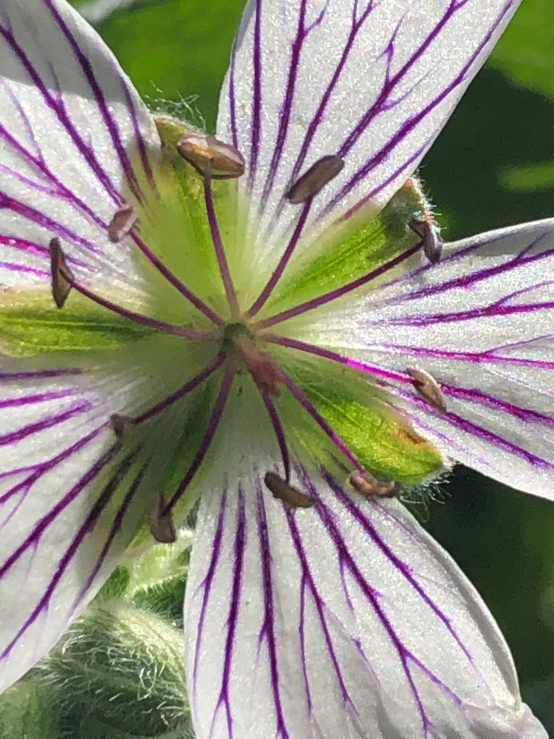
(162, 526)
(371, 487)
(338, 293)
(428, 231)
(319, 351)
(281, 490)
(205, 444)
(122, 223)
(326, 427)
(177, 284)
(279, 430)
(310, 184)
(276, 276)
(218, 243)
(206, 152)
(428, 389)
(61, 285)
(63, 280)
(188, 387)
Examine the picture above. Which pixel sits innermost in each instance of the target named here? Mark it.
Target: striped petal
(75, 143)
(72, 487)
(344, 619)
(372, 82)
(481, 322)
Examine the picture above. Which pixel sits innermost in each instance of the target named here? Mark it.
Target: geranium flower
(263, 323)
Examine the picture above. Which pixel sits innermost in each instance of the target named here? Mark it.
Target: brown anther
(61, 274)
(162, 527)
(426, 228)
(200, 150)
(281, 490)
(428, 388)
(122, 426)
(314, 179)
(122, 223)
(371, 487)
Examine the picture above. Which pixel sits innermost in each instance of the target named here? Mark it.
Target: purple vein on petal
(116, 527)
(13, 437)
(373, 597)
(43, 523)
(339, 292)
(100, 99)
(60, 112)
(317, 351)
(408, 126)
(206, 588)
(256, 123)
(475, 429)
(485, 311)
(239, 547)
(308, 581)
(478, 396)
(267, 631)
(86, 528)
(402, 567)
(39, 374)
(213, 424)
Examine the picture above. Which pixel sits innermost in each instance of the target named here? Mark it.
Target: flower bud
(126, 671)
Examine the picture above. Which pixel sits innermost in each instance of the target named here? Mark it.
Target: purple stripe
(13, 267)
(275, 419)
(57, 107)
(478, 396)
(39, 374)
(206, 586)
(38, 398)
(285, 111)
(86, 528)
(100, 99)
(233, 615)
(267, 631)
(114, 530)
(494, 309)
(256, 122)
(308, 580)
(47, 422)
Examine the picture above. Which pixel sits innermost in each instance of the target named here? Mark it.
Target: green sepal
(31, 324)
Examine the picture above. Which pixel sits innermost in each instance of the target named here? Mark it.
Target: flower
(264, 322)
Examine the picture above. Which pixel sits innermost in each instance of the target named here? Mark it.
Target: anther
(314, 179)
(162, 527)
(428, 388)
(428, 231)
(371, 487)
(61, 274)
(122, 426)
(285, 492)
(122, 223)
(200, 150)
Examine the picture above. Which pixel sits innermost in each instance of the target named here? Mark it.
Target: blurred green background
(492, 166)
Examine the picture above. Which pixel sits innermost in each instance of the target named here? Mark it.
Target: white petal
(481, 322)
(345, 619)
(370, 81)
(70, 498)
(75, 142)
